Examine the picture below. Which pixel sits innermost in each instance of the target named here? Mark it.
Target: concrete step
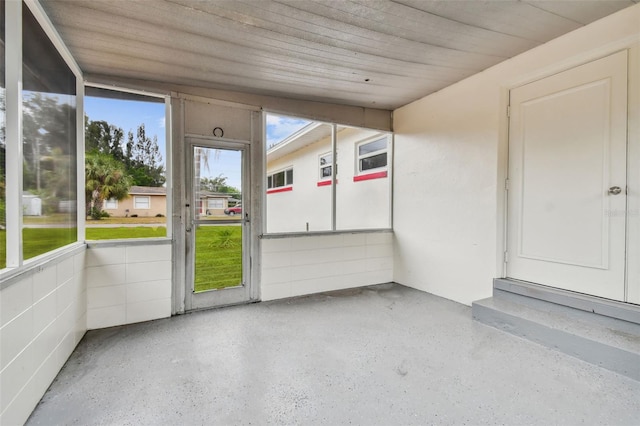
(609, 342)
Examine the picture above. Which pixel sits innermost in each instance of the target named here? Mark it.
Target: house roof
(147, 190)
(369, 53)
(209, 194)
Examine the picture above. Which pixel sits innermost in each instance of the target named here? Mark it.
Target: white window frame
(359, 157)
(327, 165)
(139, 197)
(286, 182)
(111, 204)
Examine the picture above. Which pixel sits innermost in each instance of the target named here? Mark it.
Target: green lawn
(218, 249)
(125, 232)
(218, 257)
(36, 241)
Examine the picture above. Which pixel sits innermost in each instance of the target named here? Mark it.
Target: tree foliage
(143, 159)
(49, 147)
(105, 178)
(218, 184)
(140, 154)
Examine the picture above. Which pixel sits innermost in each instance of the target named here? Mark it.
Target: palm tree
(105, 179)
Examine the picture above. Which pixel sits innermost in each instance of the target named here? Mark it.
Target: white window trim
(324, 166)
(135, 202)
(359, 157)
(216, 200)
(283, 170)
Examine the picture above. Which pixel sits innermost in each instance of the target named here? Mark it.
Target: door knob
(615, 190)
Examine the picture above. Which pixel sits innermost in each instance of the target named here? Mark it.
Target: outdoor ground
(218, 248)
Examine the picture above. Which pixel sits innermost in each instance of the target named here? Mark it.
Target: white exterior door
(567, 179)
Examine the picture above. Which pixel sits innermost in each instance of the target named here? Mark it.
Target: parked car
(233, 210)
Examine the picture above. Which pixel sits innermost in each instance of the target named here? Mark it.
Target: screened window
(141, 202)
(372, 155)
(49, 143)
(124, 147)
(361, 201)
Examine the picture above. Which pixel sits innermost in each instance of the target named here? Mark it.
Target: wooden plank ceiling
(374, 53)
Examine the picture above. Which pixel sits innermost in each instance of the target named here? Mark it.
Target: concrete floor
(383, 355)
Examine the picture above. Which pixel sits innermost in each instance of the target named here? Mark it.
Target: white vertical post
(168, 146)
(80, 173)
(334, 157)
(13, 116)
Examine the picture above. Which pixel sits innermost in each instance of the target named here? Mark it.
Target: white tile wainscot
(128, 282)
(298, 265)
(42, 319)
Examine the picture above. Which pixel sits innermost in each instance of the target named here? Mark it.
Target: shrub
(225, 239)
(159, 215)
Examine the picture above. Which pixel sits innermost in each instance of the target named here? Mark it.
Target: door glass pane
(49, 143)
(217, 214)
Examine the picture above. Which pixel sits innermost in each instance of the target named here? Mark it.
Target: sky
(130, 114)
(279, 127)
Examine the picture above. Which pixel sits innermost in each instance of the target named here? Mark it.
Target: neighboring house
(147, 201)
(144, 201)
(212, 203)
(299, 171)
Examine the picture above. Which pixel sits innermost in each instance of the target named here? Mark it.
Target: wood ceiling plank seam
(344, 55)
(424, 7)
(553, 13)
(581, 16)
(474, 39)
(278, 60)
(347, 36)
(402, 54)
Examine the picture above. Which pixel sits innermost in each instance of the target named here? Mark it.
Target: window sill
(283, 189)
(326, 182)
(370, 176)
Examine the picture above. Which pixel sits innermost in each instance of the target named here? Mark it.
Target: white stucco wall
(450, 156)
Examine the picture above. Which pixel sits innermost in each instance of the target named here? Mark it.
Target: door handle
(615, 190)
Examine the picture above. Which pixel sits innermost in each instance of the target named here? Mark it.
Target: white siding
(450, 151)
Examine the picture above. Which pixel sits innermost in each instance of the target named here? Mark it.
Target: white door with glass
(217, 224)
(567, 180)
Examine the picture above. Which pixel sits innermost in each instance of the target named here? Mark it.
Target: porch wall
(128, 282)
(451, 160)
(296, 266)
(42, 319)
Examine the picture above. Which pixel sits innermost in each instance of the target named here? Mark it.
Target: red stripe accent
(376, 175)
(326, 182)
(283, 189)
